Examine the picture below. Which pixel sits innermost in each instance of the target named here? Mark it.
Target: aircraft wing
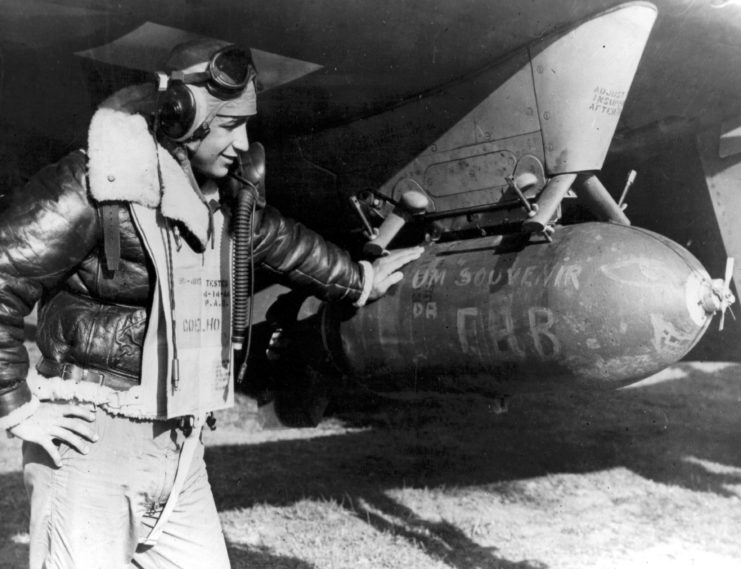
(373, 55)
(356, 96)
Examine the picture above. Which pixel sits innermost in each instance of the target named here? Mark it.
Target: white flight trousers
(95, 510)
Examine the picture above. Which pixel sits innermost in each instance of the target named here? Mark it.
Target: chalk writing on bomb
(566, 275)
(528, 276)
(495, 331)
(426, 310)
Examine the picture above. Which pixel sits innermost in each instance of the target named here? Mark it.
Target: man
(126, 249)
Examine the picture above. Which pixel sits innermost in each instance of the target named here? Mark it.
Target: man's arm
(301, 258)
(45, 229)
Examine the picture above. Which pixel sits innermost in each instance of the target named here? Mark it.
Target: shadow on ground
(256, 558)
(664, 432)
(459, 441)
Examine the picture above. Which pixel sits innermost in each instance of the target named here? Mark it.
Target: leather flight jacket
(51, 238)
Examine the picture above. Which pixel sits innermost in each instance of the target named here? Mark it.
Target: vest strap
(111, 235)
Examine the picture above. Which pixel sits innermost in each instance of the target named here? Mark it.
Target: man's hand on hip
(59, 422)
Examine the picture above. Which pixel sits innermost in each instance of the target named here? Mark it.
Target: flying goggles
(227, 74)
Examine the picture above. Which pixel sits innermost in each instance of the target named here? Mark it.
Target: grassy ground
(649, 476)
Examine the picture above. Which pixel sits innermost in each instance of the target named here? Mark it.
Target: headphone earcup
(177, 111)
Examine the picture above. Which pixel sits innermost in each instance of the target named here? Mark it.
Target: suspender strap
(111, 235)
(186, 456)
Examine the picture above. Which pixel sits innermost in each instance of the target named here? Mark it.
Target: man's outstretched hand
(386, 269)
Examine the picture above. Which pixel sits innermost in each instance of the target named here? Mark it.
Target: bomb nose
(710, 299)
(716, 295)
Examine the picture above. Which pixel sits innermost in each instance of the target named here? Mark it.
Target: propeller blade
(726, 291)
(729, 272)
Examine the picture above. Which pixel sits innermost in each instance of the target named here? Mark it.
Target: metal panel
(506, 120)
(470, 174)
(581, 81)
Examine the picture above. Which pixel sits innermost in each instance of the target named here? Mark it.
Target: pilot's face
(214, 155)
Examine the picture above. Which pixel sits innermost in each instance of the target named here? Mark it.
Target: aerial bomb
(603, 305)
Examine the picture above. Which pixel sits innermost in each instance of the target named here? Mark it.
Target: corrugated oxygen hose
(243, 273)
(251, 175)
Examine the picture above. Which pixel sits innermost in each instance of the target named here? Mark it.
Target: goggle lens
(231, 68)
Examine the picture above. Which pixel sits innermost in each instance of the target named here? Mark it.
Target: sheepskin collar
(123, 162)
